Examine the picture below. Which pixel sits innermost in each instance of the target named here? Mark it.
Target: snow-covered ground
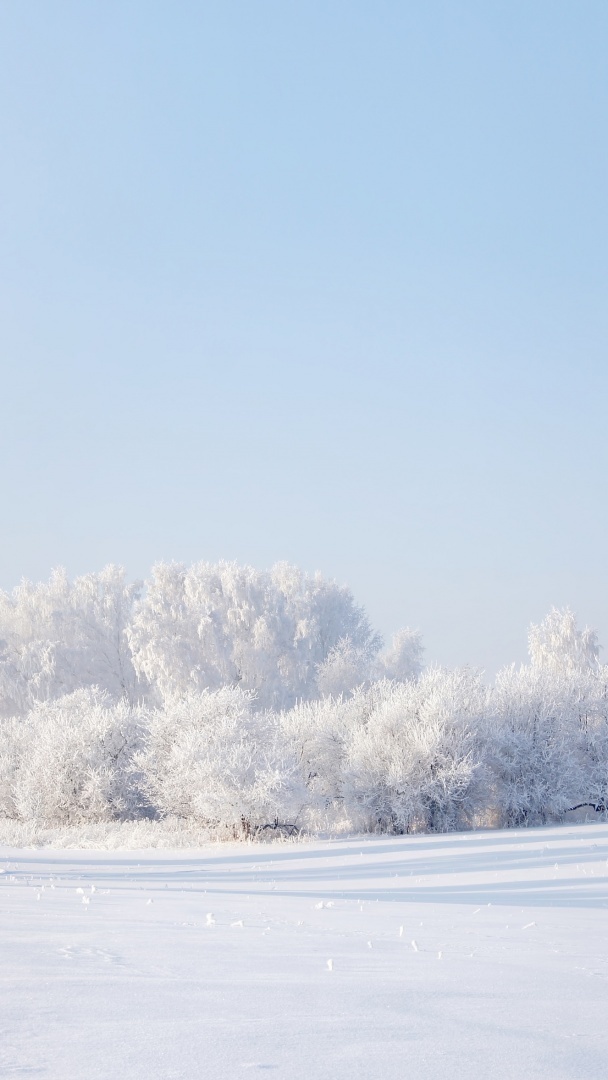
(468, 956)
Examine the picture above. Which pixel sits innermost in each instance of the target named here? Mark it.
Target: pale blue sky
(316, 281)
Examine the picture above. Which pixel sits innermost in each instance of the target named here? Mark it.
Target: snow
(489, 957)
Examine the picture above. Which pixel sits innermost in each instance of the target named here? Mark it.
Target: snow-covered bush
(73, 761)
(318, 733)
(210, 758)
(395, 756)
(416, 761)
(11, 749)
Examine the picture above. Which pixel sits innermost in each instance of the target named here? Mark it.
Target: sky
(317, 281)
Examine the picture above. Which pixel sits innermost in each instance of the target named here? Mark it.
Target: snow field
(466, 955)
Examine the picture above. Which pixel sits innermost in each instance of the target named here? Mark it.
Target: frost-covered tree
(60, 636)
(403, 660)
(534, 743)
(209, 626)
(545, 741)
(345, 668)
(348, 666)
(557, 644)
(210, 758)
(587, 693)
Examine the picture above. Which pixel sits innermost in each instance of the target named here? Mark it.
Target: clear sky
(322, 281)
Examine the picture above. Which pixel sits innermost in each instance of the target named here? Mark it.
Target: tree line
(251, 701)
